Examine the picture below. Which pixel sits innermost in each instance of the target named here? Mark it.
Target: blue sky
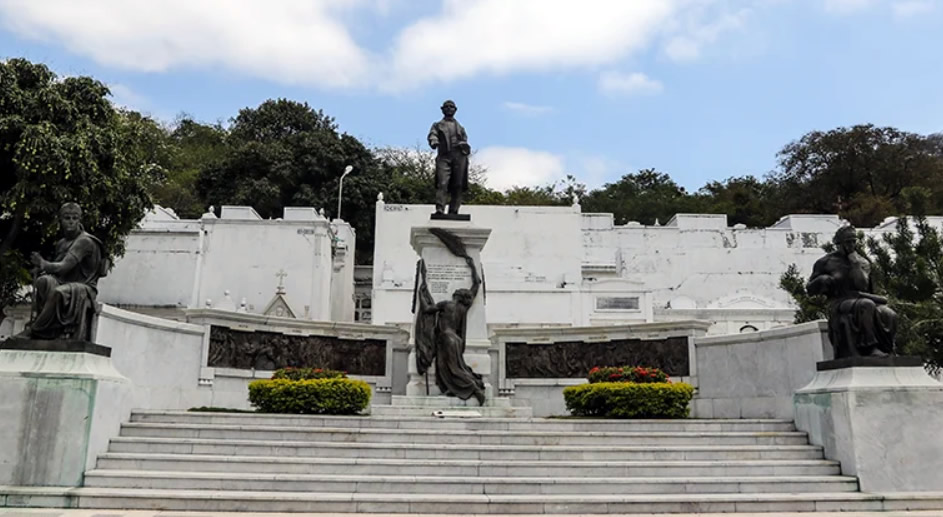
(700, 89)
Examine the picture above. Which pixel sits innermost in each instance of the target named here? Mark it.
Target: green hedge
(629, 400)
(313, 396)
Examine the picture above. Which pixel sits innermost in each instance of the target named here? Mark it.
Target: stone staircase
(323, 464)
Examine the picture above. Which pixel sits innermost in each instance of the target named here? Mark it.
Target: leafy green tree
(284, 153)
(746, 200)
(808, 307)
(62, 140)
(858, 172)
(645, 196)
(909, 266)
(193, 146)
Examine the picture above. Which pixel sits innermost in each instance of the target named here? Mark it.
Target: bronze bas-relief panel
(574, 359)
(230, 348)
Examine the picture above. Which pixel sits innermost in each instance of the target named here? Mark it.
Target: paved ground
(150, 513)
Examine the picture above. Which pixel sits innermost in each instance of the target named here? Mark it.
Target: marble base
(880, 422)
(58, 409)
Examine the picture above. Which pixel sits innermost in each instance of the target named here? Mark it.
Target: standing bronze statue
(65, 288)
(859, 322)
(448, 137)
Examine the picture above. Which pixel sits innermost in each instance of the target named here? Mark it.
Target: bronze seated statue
(65, 289)
(859, 322)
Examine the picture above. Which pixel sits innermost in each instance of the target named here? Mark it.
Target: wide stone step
(465, 485)
(471, 424)
(345, 502)
(355, 466)
(289, 433)
(457, 451)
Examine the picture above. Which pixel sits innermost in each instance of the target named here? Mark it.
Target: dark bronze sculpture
(448, 137)
(65, 288)
(440, 330)
(859, 322)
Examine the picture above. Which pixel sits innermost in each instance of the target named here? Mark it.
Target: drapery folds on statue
(440, 329)
(859, 322)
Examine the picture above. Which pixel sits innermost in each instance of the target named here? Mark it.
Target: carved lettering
(444, 279)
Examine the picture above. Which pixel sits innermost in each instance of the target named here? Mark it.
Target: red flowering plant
(637, 374)
(301, 374)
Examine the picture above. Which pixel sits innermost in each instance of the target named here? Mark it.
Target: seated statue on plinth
(859, 322)
(65, 288)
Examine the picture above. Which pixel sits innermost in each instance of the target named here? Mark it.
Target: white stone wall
(342, 273)
(755, 375)
(161, 358)
(180, 263)
(531, 263)
(555, 266)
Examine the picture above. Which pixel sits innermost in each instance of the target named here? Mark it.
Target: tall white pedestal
(445, 273)
(881, 422)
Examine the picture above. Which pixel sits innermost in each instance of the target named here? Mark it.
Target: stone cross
(281, 281)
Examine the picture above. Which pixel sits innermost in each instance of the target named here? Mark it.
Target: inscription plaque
(444, 279)
(574, 359)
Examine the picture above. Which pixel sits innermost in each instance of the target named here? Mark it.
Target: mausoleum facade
(300, 265)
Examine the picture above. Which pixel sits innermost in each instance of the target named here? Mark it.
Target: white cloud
(910, 8)
(469, 38)
(847, 6)
(628, 84)
(289, 41)
(310, 42)
(518, 166)
(527, 109)
(686, 45)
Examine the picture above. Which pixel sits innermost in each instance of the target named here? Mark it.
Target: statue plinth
(880, 417)
(63, 400)
(446, 272)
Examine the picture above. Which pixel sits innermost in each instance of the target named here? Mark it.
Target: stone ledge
(55, 345)
(869, 362)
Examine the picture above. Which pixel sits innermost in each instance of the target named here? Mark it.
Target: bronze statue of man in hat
(448, 137)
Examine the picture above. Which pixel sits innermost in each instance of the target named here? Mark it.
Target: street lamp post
(340, 189)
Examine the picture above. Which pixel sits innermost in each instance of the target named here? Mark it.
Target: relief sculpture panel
(231, 348)
(574, 359)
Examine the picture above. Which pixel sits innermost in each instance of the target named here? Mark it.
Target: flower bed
(310, 391)
(627, 374)
(629, 392)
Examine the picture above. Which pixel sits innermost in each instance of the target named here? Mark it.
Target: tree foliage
(62, 140)
(908, 263)
(859, 172)
(646, 196)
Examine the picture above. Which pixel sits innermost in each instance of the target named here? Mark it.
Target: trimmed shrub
(337, 396)
(300, 374)
(626, 374)
(629, 399)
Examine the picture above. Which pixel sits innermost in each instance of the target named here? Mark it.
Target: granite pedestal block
(60, 403)
(880, 418)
